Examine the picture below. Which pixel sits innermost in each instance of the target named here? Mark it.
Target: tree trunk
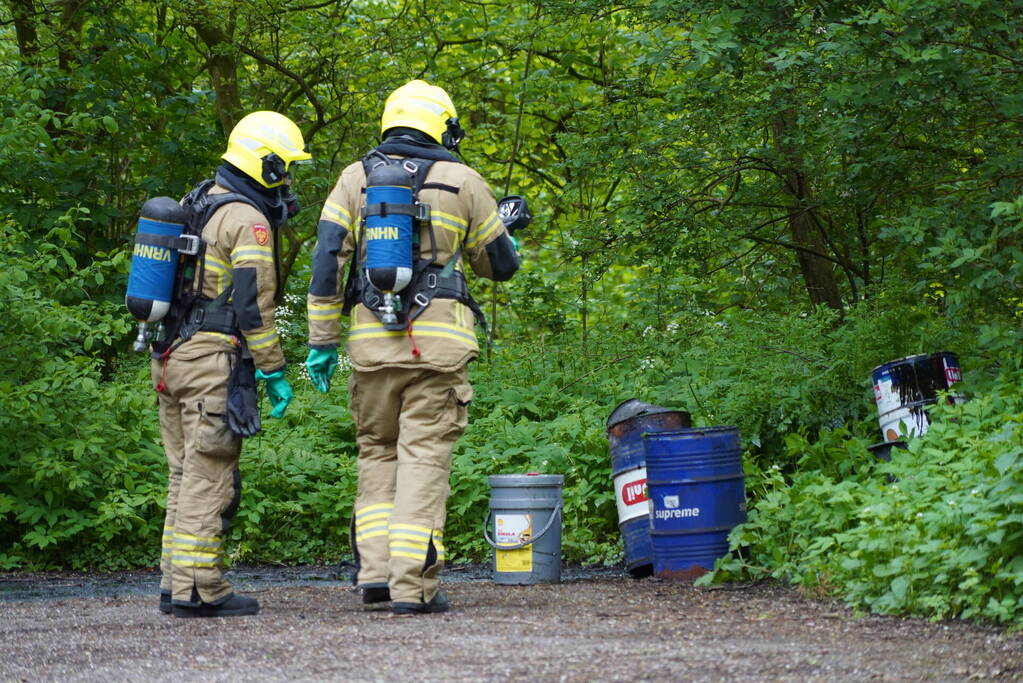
(818, 273)
(72, 18)
(24, 28)
(223, 66)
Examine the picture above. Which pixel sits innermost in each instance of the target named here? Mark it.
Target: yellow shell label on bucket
(513, 530)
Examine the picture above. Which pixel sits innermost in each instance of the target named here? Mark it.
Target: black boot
(436, 606)
(165, 602)
(375, 592)
(233, 605)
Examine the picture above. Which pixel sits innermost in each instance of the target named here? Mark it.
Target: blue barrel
(697, 496)
(625, 429)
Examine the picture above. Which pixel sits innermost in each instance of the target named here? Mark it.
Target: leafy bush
(78, 480)
(772, 374)
(298, 483)
(936, 531)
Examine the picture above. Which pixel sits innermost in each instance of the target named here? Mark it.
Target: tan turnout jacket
(239, 252)
(463, 212)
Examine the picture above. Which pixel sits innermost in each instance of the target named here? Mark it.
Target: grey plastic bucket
(524, 528)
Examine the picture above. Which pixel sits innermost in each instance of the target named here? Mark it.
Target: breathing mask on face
(453, 134)
(282, 204)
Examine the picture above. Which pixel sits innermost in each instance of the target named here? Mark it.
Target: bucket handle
(550, 522)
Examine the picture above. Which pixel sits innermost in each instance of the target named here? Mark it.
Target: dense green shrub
(772, 374)
(934, 532)
(78, 483)
(298, 483)
(937, 531)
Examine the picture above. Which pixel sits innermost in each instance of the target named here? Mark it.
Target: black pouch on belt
(242, 401)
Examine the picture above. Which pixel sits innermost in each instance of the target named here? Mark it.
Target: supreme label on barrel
(513, 530)
(670, 509)
(631, 494)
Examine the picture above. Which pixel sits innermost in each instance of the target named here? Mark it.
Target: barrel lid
(633, 407)
(689, 432)
(914, 357)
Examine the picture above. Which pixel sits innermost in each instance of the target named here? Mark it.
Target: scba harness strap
(429, 279)
(191, 312)
(429, 282)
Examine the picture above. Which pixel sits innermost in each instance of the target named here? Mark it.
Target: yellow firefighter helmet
(264, 145)
(426, 108)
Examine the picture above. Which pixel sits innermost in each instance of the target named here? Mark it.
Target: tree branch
(280, 68)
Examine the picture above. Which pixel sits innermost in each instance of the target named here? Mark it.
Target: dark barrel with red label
(904, 388)
(625, 429)
(697, 496)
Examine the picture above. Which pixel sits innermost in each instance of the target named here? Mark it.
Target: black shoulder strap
(206, 204)
(422, 169)
(202, 206)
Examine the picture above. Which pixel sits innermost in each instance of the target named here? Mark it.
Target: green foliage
(706, 178)
(298, 484)
(936, 531)
(535, 427)
(77, 480)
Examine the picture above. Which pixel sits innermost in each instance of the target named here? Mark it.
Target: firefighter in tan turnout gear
(219, 338)
(411, 332)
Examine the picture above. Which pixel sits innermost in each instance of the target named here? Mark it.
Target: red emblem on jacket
(262, 233)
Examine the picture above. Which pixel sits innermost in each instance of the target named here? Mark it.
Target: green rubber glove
(321, 365)
(279, 391)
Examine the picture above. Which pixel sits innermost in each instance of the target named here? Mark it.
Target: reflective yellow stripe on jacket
(221, 270)
(376, 330)
(325, 311)
(481, 233)
(450, 222)
(337, 213)
(252, 253)
(261, 341)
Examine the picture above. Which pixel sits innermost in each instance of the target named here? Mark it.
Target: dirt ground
(594, 625)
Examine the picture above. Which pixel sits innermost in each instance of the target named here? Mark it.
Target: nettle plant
(937, 531)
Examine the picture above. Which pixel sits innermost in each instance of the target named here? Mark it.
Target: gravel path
(593, 626)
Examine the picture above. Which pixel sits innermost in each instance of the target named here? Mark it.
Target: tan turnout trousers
(407, 422)
(204, 487)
